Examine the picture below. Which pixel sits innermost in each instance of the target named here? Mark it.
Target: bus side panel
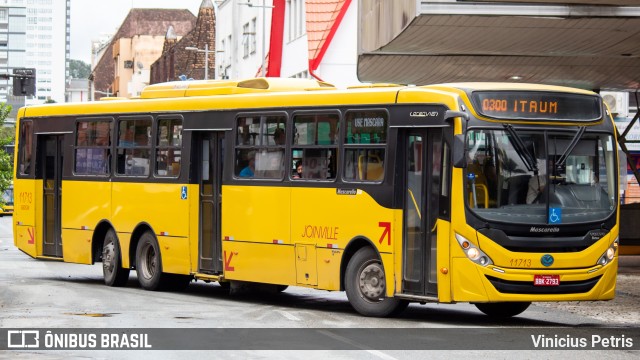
(84, 205)
(175, 254)
(321, 217)
(159, 205)
(24, 205)
(265, 263)
(77, 246)
(24, 239)
(256, 213)
(329, 268)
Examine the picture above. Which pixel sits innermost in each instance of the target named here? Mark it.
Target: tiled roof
(155, 22)
(323, 19)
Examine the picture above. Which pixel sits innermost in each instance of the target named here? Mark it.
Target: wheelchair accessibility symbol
(555, 215)
(183, 193)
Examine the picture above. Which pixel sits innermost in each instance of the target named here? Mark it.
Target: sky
(91, 19)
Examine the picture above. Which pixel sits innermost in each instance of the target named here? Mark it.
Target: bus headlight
(610, 253)
(473, 253)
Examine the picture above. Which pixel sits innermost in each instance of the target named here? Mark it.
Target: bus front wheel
(149, 262)
(365, 284)
(502, 310)
(114, 273)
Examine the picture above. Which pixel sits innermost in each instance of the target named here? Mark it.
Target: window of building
(260, 147)
(365, 143)
(134, 147)
(296, 19)
(253, 37)
(246, 36)
(315, 146)
(93, 147)
(169, 147)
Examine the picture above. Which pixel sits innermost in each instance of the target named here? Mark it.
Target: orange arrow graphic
(31, 236)
(387, 232)
(227, 261)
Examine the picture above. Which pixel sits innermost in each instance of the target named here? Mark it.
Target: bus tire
(502, 310)
(149, 263)
(112, 270)
(365, 285)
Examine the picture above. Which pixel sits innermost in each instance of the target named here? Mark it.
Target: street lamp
(206, 57)
(264, 10)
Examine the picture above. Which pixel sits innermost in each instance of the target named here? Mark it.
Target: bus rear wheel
(503, 310)
(149, 262)
(365, 285)
(112, 270)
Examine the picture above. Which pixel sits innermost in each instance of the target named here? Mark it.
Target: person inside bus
(249, 170)
(278, 136)
(297, 173)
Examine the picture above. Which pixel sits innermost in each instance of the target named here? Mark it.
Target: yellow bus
(6, 202)
(492, 194)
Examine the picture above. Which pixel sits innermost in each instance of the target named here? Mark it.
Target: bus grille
(527, 287)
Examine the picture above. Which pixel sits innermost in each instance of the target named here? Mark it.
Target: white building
(48, 46)
(12, 50)
(312, 38)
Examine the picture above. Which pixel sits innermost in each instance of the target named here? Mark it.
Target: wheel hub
(108, 258)
(371, 282)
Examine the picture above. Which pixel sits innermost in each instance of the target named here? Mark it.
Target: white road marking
(360, 346)
(288, 315)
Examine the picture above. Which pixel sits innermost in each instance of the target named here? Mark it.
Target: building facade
(48, 39)
(13, 47)
(123, 67)
(192, 56)
(312, 38)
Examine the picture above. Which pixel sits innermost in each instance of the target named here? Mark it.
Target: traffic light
(24, 82)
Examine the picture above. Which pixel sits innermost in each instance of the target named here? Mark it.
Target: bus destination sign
(529, 105)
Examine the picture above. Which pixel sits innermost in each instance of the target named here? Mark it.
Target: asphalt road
(47, 294)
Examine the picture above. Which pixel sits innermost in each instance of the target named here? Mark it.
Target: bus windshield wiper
(527, 157)
(572, 144)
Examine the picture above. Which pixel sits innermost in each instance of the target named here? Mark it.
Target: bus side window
(169, 147)
(365, 143)
(26, 145)
(315, 146)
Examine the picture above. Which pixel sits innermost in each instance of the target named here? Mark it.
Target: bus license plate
(546, 280)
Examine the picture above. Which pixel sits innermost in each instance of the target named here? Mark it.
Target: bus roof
(270, 93)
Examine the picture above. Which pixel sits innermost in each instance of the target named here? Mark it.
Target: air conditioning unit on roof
(617, 101)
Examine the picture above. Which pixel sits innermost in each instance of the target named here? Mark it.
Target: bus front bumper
(475, 283)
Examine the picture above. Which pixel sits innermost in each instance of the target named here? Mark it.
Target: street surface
(58, 295)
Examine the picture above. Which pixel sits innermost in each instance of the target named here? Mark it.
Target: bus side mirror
(459, 156)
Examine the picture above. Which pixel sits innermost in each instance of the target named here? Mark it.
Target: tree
(6, 138)
(79, 69)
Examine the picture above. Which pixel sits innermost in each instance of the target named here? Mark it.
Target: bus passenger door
(210, 155)
(51, 161)
(422, 163)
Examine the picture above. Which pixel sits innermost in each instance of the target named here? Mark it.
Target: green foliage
(79, 69)
(6, 137)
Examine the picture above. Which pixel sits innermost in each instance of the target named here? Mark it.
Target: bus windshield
(508, 172)
(7, 197)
